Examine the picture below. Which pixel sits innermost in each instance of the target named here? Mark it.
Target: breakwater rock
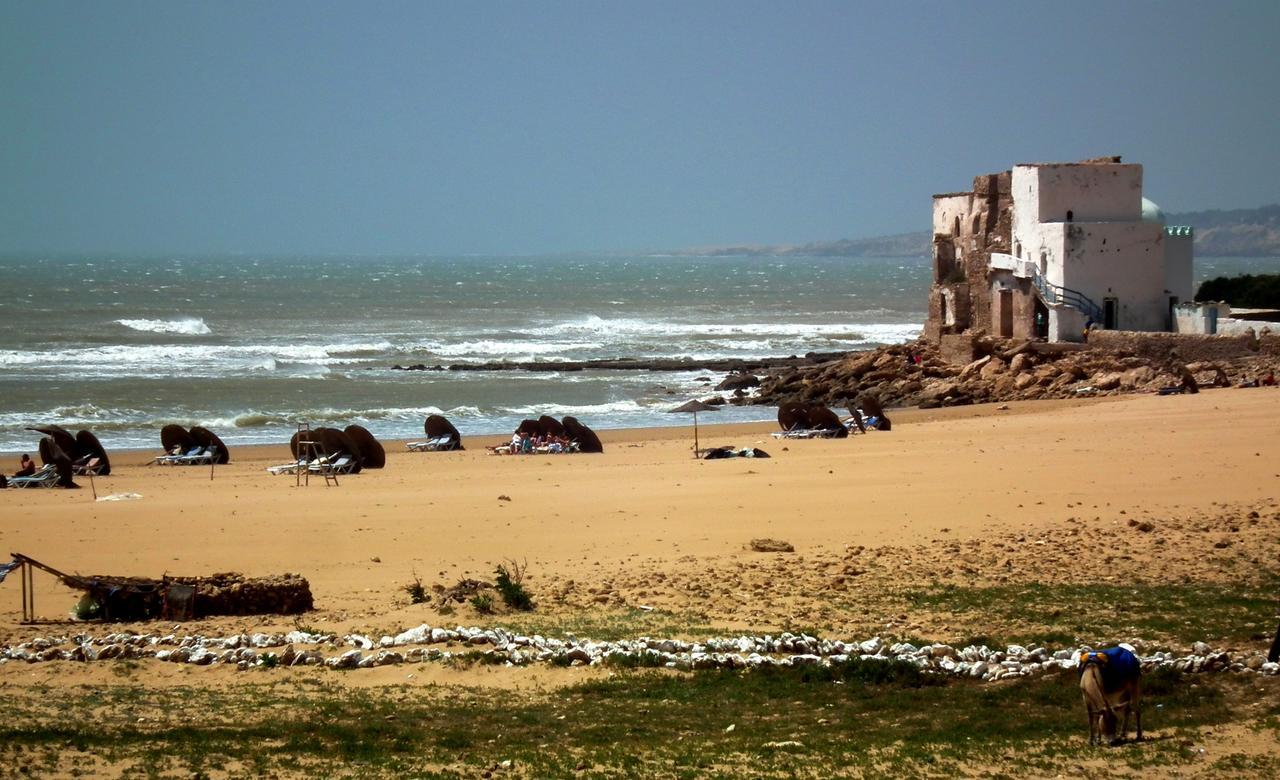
(994, 370)
(426, 643)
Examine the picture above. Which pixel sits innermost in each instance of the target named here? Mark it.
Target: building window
(1017, 249)
(1070, 215)
(955, 227)
(1044, 264)
(976, 223)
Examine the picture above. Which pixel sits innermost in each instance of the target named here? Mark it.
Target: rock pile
(916, 374)
(497, 645)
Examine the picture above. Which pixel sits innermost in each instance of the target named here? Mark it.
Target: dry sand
(1044, 492)
(645, 507)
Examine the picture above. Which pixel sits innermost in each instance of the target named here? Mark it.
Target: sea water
(250, 346)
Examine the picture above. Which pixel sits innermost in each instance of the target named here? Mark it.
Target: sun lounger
(193, 456)
(290, 468)
(343, 464)
(89, 467)
(46, 477)
(437, 444)
(806, 433)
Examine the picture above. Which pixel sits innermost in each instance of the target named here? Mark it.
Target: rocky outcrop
(915, 374)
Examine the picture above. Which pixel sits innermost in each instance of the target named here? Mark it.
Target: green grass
(1061, 615)
(860, 717)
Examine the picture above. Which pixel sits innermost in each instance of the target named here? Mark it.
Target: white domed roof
(1151, 212)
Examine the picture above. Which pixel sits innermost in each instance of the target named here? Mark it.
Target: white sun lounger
(46, 477)
(437, 444)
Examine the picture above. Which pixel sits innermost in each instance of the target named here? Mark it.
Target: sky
(540, 127)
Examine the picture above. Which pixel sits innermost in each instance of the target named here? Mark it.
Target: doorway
(1006, 314)
(1110, 310)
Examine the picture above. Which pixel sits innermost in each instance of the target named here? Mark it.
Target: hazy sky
(526, 127)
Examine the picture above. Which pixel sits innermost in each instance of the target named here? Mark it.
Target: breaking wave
(183, 326)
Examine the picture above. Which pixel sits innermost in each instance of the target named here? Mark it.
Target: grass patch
(1061, 615)
(856, 718)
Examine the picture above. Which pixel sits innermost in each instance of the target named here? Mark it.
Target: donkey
(1110, 683)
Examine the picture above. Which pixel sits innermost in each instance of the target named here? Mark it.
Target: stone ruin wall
(985, 227)
(1189, 347)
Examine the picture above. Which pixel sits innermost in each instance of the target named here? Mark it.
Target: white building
(1083, 248)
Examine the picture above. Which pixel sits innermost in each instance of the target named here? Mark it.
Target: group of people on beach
(524, 443)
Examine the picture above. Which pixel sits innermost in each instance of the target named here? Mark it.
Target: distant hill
(1238, 232)
(901, 245)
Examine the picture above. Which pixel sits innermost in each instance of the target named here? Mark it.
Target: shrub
(482, 603)
(509, 580)
(417, 593)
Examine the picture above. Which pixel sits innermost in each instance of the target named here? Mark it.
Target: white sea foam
(185, 326)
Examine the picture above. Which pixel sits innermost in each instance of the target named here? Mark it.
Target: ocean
(249, 347)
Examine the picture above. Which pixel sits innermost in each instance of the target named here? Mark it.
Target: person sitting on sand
(1270, 379)
(526, 444)
(26, 466)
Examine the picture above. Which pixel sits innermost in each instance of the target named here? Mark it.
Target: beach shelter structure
(823, 419)
(550, 426)
(586, 438)
(793, 415)
(438, 426)
(693, 407)
(207, 438)
(88, 445)
(372, 455)
(172, 436)
(61, 437)
(50, 452)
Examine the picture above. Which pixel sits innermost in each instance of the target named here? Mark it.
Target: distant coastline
(1232, 233)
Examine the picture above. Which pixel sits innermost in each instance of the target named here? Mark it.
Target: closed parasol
(372, 455)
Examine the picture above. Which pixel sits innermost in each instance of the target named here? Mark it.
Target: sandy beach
(645, 504)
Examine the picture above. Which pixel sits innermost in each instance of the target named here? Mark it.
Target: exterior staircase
(1052, 294)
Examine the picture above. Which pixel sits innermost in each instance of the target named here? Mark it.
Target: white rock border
(500, 646)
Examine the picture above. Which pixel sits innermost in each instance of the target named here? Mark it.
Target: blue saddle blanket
(1117, 665)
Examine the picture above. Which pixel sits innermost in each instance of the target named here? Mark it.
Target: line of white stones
(497, 645)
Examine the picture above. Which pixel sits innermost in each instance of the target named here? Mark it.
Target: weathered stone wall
(1189, 347)
(968, 227)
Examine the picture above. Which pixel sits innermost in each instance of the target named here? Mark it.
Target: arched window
(1070, 215)
(1044, 263)
(1017, 249)
(955, 227)
(976, 223)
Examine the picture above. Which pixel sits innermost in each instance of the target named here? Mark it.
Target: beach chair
(202, 456)
(46, 477)
(437, 444)
(88, 468)
(343, 464)
(291, 468)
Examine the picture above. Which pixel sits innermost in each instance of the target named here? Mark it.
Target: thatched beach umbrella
(334, 443)
(693, 407)
(823, 419)
(372, 455)
(586, 438)
(176, 436)
(207, 438)
(792, 415)
(50, 452)
(550, 426)
(437, 426)
(61, 437)
(88, 444)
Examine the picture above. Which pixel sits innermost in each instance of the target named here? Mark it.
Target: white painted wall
(1093, 192)
(947, 207)
(1121, 260)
